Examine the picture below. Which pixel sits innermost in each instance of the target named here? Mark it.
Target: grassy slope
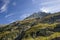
(51, 18)
(10, 32)
(40, 26)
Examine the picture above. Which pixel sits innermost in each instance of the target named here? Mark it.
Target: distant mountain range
(38, 26)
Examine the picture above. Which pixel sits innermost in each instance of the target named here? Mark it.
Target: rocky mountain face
(38, 26)
(38, 15)
(52, 18)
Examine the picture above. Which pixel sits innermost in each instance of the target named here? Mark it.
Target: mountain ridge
(38, 15)
(32, 28)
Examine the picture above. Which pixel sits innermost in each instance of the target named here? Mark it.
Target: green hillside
(45, 28)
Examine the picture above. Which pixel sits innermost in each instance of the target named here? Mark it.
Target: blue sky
(12, 10)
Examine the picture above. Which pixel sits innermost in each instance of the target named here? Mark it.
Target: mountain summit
(38, 15)
(39, 26)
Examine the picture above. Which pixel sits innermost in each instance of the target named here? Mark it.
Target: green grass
(42, 26)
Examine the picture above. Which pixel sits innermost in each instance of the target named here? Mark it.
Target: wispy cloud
(45, 2)
(24, 16)
(50, 2)
(11, 20)
(44, 9)
(51, 8)
(9, 15)
(4, 7)
(36, 2)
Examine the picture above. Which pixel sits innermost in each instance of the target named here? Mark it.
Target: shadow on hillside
(57, 38)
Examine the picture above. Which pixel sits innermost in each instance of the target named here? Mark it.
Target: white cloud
(50, 2)
(54, 8)
(50, 6)
(9, 15)
(4, 7)
(44, 10)
(24, 16)
(11, 21)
